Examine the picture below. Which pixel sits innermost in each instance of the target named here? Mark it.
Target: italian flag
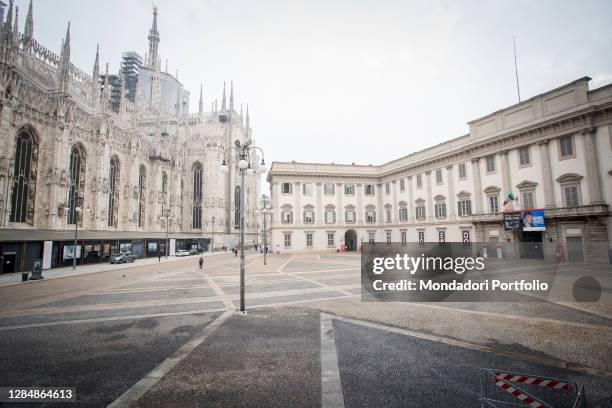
(510, 198)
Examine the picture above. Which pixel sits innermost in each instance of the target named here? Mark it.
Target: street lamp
(166, 216)
(243, 150)
(264, 211)
(212, 244)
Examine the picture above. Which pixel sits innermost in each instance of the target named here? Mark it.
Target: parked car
(193, 251)
(123, 257)
(182, 252)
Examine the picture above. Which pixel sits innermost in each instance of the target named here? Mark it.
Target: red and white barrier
(527, 399)
(559, 385)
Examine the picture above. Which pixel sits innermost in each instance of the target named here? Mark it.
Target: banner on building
(512, 220)
(533, 220)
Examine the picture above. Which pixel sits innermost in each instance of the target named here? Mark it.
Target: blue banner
(533, 220)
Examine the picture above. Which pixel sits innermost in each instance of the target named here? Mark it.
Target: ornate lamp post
(243, 150)
(264, 211)
(166, 217)
(212, 241)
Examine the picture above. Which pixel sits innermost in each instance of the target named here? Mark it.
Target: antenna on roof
(518, 88)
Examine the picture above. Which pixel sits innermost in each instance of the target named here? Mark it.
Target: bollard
(24, 276)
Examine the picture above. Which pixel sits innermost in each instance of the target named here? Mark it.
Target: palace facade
(549, 156)
(79, 155)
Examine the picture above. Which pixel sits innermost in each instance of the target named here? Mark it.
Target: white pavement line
(519, 356)
(331, 384)
(170, 302)
(108, 319)
(314, 282)
(188, 312)
(280, 268)
(136, 391)
(229, 305)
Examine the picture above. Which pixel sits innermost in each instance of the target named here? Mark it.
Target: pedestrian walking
(159, 254)
(201, 261)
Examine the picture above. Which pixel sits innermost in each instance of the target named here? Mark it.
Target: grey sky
(349, 81)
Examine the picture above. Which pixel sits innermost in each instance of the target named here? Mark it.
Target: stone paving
(167, 334)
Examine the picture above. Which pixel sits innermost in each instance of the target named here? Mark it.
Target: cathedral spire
(16, 25)
(247, 118)
(95, 78)
(153, 40)
(201, 104)
(241, 118)
(231, 105)
(8, 25)
(64, 68)
(28, 29)
(223, 100)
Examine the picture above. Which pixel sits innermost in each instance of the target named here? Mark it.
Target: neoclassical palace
(135, 172)
(531, 180)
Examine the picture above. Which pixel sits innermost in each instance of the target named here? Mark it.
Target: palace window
(571, 197)
(286, 214)
(197, 196)
(113, 192)
(490, 161)
(566, 146)
(307, 189)
(465, 207)
(309, 239)
(524, 156)
(370, 214)
(419, 210)
(286, 188)
(439, 176)
(349, 215)
(287, 240)
(330, 214)
(403, 234)
(309, 214)
(494, 203)
(371, 237)
(570, 188)
(369, 189)
(527, 198)
(440, 210)
(402, 184)
(387, 213)
(330, 240)
(403, 212)
(387, 188)
(349, 189)
(462, 171)
(419, 181)
(329, 188)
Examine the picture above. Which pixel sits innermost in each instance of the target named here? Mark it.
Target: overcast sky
(349, 81)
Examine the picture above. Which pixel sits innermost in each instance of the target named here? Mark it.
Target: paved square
(167, 335)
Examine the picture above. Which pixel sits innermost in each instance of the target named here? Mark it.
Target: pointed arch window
(24, 180)
(237, 207)
(197, 196)
(142, 183)
(113, 192)
(77, 177)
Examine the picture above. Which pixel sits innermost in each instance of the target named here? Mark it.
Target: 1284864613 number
(37, 394)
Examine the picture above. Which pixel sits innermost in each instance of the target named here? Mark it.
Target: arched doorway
(350, 240)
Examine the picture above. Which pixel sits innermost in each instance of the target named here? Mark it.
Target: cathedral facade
(81, 158)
